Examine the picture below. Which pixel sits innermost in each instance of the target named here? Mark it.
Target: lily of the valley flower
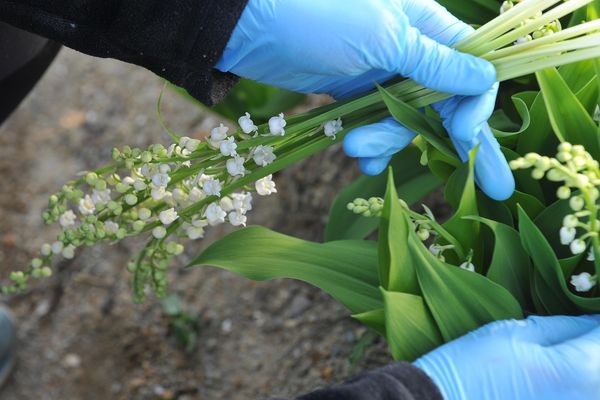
(217, 135)
(583, 282)
(277, 125)
(228, 147)
(214, 214)
(265, 186)
(578, 246)
(263, 155)
(468, 266)
(169, 216)
(245, 122)
(237, 218)
(332, 128)
(567, 235)
(86, 205)
(212, 187)
(67, 219)
(235, 166)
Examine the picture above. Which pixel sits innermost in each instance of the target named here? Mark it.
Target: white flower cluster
(176, 190)
(579, 175)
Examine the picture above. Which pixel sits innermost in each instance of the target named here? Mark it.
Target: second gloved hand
(554, 358)
(341, 48)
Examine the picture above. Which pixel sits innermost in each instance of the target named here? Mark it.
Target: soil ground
(80, 334)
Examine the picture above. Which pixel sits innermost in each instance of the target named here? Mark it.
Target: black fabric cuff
(180, 40)
(399, 381)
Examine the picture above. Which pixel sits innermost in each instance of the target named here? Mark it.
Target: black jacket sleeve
(400, 381)
(180, 40)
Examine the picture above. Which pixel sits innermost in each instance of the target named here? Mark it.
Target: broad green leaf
(460, 301)
(347, 270)
(396, 270)
(551, 285)
(413, 182)
(493, 210)
(538, 137)
(466, 231)
(510, 266)
(529, 203)
(411, 330)
(429, 128)
(374, 319)
(570, 120)
(523, 111)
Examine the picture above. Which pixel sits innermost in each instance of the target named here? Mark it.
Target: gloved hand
(538, 358)
(341, 48)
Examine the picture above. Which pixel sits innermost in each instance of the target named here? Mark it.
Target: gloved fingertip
(373, 166)
(353, 142)
(492, 172)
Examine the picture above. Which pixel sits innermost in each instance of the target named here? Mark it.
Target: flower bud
(576, 203)
(563, 193)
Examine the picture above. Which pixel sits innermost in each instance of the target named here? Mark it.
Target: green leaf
(411, 330)
(429, 128)
(347, 270)
(396, 271)
(510, 266)
(522, 109)
(529, 203)
(466, 231)
(413, 182)
(460, 301)
(551, 286)
(570, 120)
(374, 319)
(538, 137)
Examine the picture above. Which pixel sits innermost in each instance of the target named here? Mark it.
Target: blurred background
(218, 336)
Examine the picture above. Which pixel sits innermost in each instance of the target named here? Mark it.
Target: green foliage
(347, 270)
(413, 181)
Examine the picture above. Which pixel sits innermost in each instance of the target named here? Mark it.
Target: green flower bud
(138, 225)
(576, 203)
(563, 192)
(146, 157)
(116, 154)
(100, 185)
(36, 263)
(538, 173)
(131, 199)
(122, 187)
(91, 178)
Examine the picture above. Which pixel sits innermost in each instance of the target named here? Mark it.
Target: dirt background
(80, 334)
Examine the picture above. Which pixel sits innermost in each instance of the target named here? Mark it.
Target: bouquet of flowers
(423, 282)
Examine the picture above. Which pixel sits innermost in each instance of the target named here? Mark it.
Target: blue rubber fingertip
(492, 172)
(373, 166)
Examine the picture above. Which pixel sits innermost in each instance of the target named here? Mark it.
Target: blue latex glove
(340, 48)
(551, 358)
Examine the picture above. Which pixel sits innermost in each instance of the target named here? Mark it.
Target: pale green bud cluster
(367, 208)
